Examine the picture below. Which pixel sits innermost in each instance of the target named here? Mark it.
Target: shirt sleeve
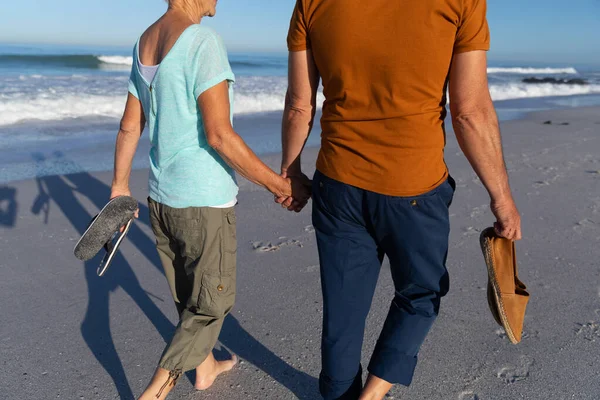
(473, 31)
(298, 38)
(212, 65)
(132, 85)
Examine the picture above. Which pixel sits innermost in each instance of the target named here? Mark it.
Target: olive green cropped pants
(197, 247)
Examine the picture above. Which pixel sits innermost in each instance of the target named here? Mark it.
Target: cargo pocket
(217, 296)
(229, 243)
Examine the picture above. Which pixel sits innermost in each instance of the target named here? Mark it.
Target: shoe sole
(108, 258)
(97, 234)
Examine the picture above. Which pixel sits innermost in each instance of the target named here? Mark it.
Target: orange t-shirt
(384, 66)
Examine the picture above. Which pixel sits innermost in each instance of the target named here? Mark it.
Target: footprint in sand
(596, 205)
(547, 169)
(468, 395)
(540, 184)
(584, 225)
(470, 231)
(269, 247)
(501, 333)
(472, 376)
(589, 331)
(512, 374)
(479, 211)
(309, 229)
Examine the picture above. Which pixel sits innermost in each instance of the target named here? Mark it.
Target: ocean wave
(93, 61)
(529, 71)
(521, 91)
(246, 64)
(50, 108)
(46, 108)
(252, 96)
(88, 61)
(261, 103)
(117, 60)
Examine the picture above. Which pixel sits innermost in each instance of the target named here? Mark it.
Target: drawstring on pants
(173, 377)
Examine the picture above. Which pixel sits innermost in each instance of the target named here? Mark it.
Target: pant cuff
(341, 390)
(393, 367)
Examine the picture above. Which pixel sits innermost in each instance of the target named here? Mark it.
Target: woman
(181, 86)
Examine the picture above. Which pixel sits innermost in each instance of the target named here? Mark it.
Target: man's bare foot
(208, 371)
(375, 389)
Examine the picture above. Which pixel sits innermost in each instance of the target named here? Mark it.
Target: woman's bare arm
(132, 126)
(215, 108)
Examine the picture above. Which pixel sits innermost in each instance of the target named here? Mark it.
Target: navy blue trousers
(355, 229)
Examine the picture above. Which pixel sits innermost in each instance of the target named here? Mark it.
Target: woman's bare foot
(162, 383)
(208, 371)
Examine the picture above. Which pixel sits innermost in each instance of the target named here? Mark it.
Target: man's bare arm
(478, 133)
(300, 107)
(298, 117)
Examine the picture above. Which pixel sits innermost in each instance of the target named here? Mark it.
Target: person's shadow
(95, 327)
(240, 342)
(8, 206)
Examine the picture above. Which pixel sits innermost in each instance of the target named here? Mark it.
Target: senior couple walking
(381, 188)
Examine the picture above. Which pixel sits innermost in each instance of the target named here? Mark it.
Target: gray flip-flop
(104, 228)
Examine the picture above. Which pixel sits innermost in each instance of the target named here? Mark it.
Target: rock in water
(574, 81)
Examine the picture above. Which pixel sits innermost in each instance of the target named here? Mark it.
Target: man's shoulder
(308, 5)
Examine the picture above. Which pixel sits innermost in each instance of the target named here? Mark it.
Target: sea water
(60, 106)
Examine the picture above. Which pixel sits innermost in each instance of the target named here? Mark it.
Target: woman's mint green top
(184, 170)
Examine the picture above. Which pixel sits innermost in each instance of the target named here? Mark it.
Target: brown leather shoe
(507, 295)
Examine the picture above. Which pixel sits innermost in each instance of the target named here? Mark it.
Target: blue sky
(549, 31)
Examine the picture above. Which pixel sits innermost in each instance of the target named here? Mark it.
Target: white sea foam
(48, 108)
(252, 95)
(117, 60)
(532, 71)
(253, 104)
(521, 91)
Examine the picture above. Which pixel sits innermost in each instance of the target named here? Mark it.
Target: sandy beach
(67, 334)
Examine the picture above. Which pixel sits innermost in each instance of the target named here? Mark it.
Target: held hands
(300, 189)
(508, 224)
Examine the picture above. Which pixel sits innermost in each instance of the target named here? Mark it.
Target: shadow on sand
(95, 327)
(8, 206)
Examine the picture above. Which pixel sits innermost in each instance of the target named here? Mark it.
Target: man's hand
(301, 192)
(508, 224)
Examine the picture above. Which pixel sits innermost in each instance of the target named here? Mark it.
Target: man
(382, 186)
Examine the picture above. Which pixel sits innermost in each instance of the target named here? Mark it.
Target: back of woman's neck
(182, 12)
